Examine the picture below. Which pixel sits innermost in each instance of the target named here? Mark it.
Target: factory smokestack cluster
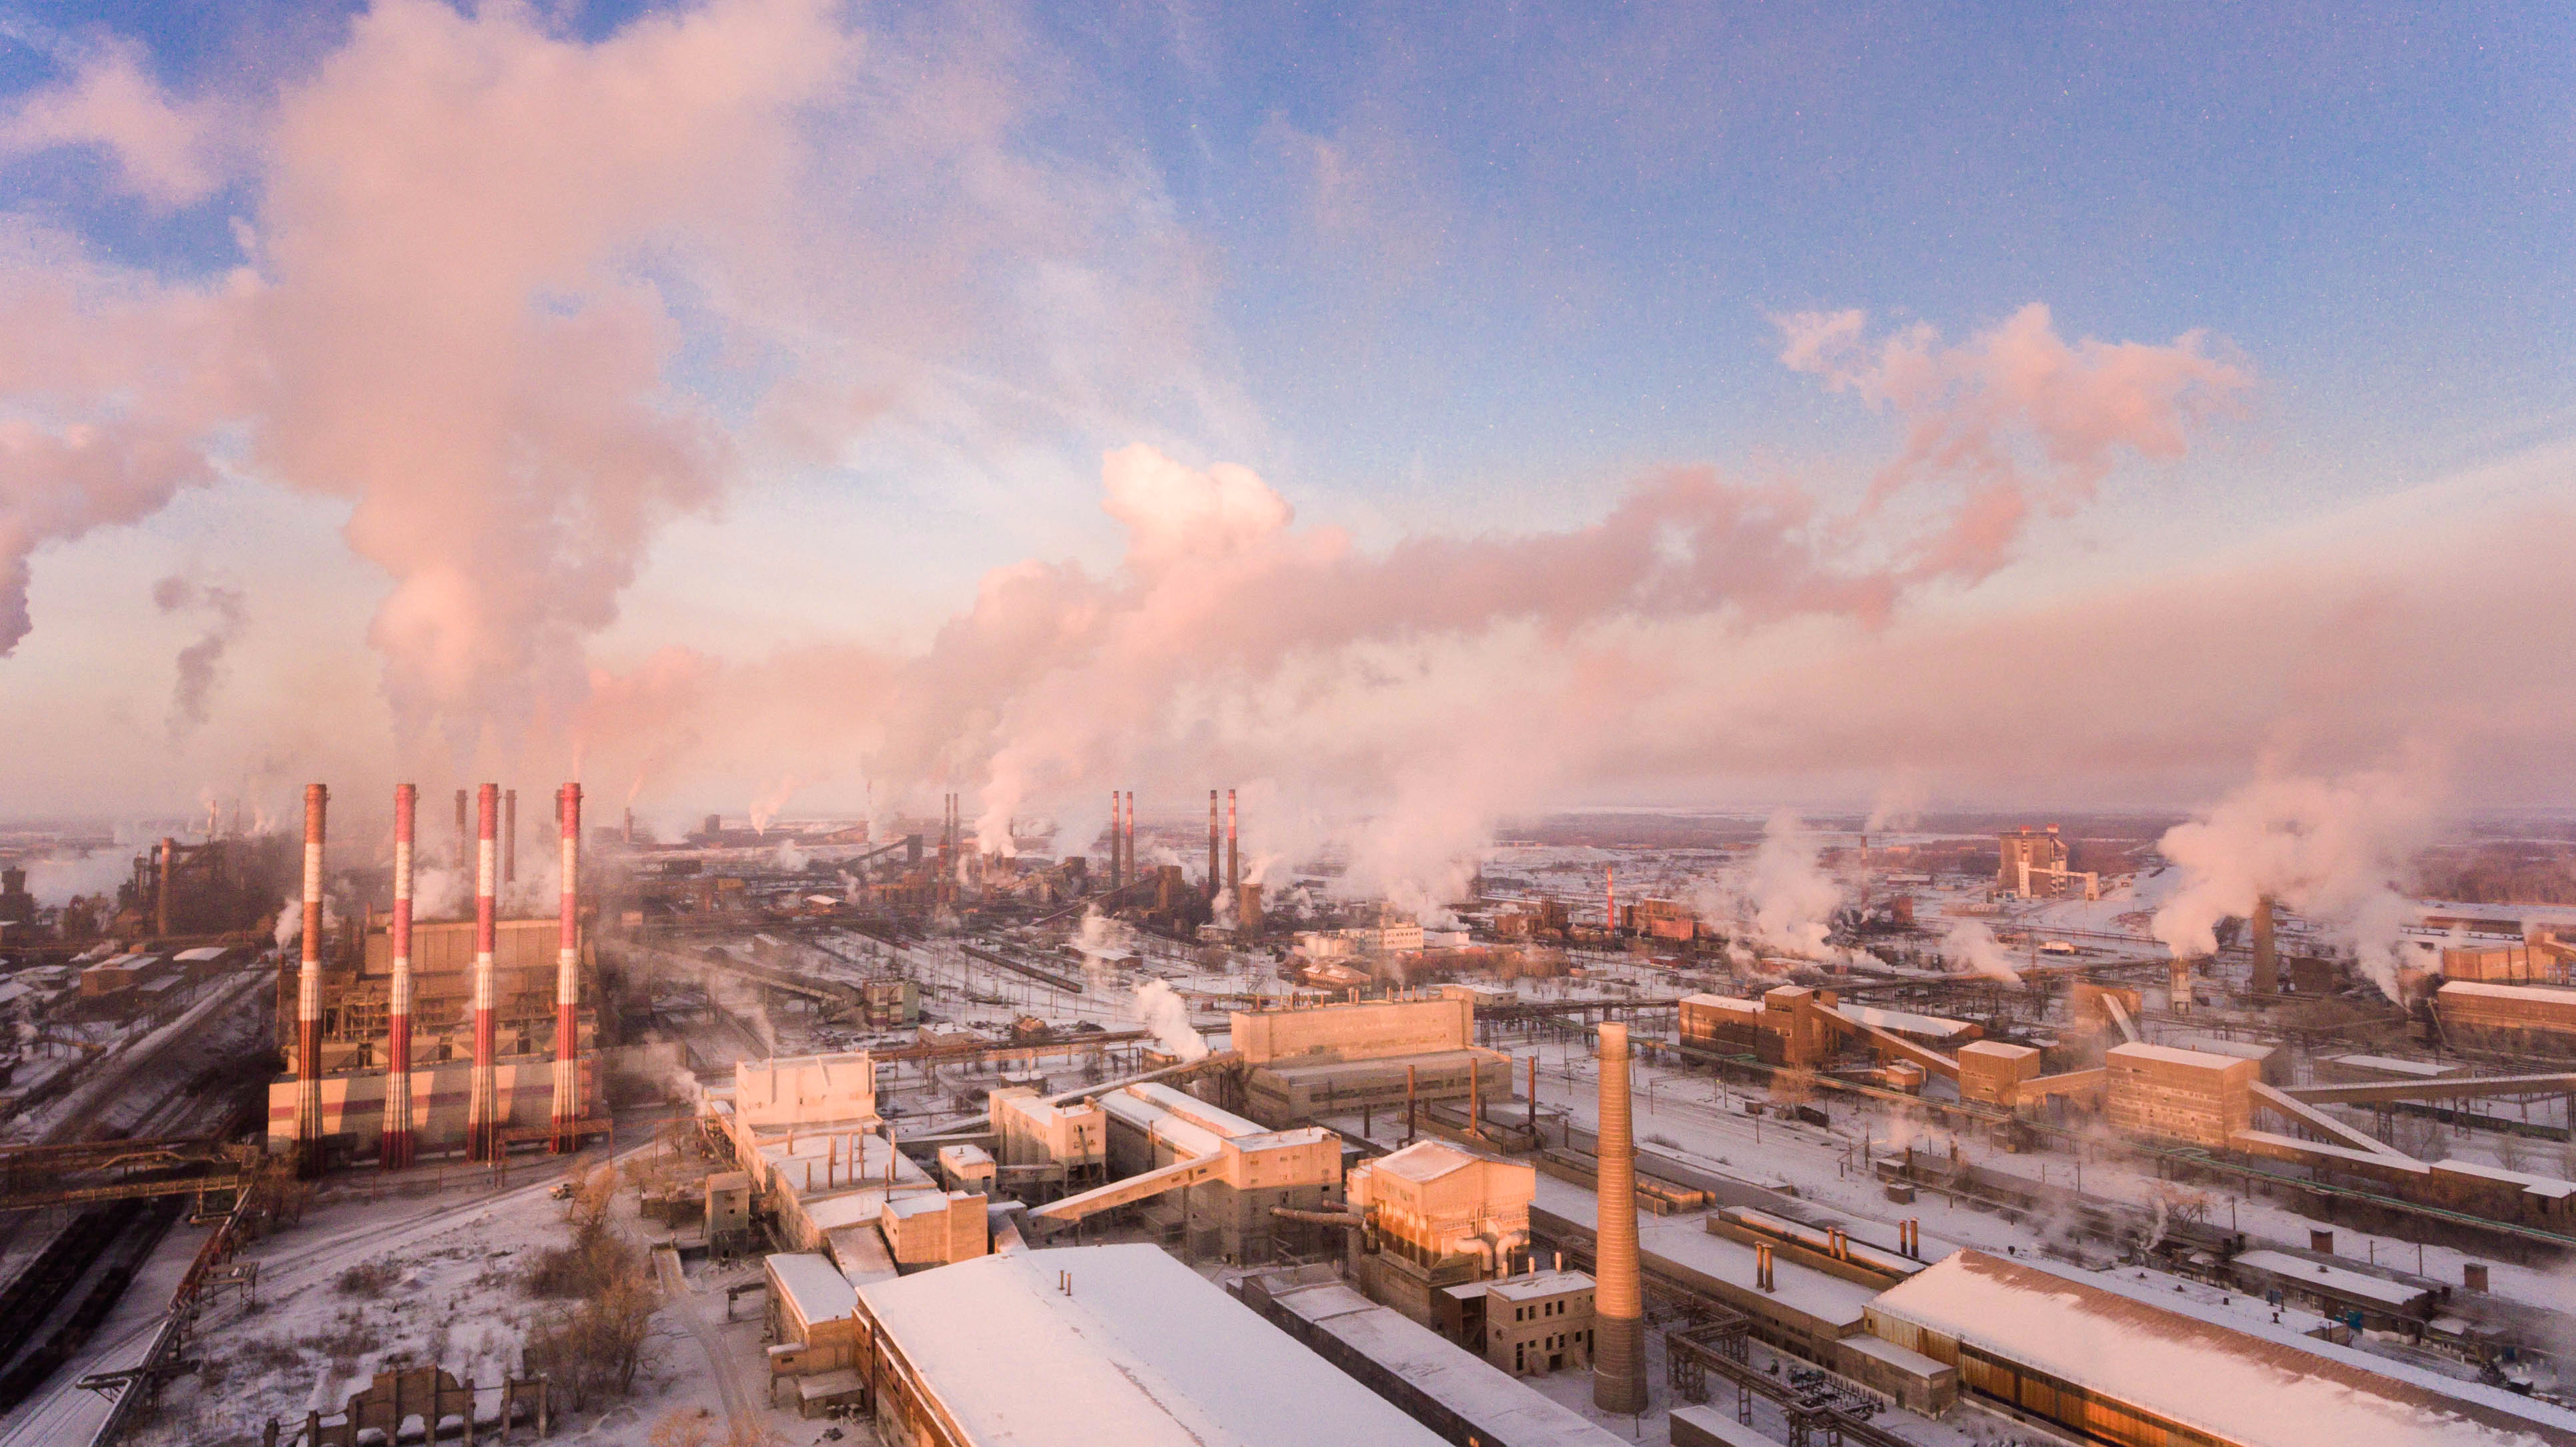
(568, 1107)
(308, 994)
(1618, 1298)
(396, 1152)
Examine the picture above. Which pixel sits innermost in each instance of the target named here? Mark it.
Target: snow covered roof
(2391, 1065)
(1724, 1002)
(2534, 994)
(1140, 1352)
(1483, 1395)
(813, 1285)
(1533, 1285)
(1423, 1161)
(2235, 1385)
(1903, 1021)
(2549, 1186)
(2336, 1278)
(2172, 1055)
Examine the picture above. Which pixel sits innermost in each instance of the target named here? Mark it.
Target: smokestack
(629, 833)
(464, 832)
(568, 979)
(308, 995)
(2267, 965)
(1131, 835)
(161, 894)
(1610, 898)
(1618, 1297)
(1116, 878)
(2180, 985)
(510, 836)
(1233, 855)
(1212, 840)
(397, 1149)
(483, 1101)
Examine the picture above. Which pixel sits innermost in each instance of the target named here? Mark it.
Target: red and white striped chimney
(1233, 856)
(483, 1101)
(568, 979)
(397, 1151)
(308, 995)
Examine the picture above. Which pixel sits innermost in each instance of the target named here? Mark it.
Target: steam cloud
(1160, 1008)
(2338, 850)
(1968, 942)
(199, 662)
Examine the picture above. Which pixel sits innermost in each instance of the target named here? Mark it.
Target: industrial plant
(905, 1135)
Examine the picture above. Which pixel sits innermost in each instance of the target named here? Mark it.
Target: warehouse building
(2515, 1019)
(1098, 1345)
(1437, 1382)
(2130, 1372)
(1370, 1055)
(1444, 1218)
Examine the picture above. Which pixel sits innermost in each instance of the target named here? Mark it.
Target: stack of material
(2182, 1095)
(1991, 1072)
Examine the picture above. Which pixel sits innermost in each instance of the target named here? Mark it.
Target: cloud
(2016, 415)
(520, 299)
(1428, 687)
(170, 153)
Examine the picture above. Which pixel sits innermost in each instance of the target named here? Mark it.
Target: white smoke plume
(200, 663)
(765, 808)
(1433, 686)
(1967, 942)
(1160, 1008)
(2338, 850)
(59, 881)
(1789, 901)
(1900, 802)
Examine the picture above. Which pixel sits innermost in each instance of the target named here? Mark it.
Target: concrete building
(1991, 1071)
(1098, 1345)
(2035, 866)
(1539, 1322)
(930, 1228)
(2114, 1367)
(1443, 1217)
(1436, 1381)
(814, 1330)
(2517, 1019)
(1342, 1059)
(2192, 1096)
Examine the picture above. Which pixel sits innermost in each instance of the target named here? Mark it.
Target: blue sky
(1475, 270)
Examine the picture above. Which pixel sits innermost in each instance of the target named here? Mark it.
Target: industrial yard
(1612, 1149)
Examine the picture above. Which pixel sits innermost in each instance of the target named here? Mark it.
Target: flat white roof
(2549, 1186)
(1903, 1021)
(2173, 1055)
(1424, 1161)
(1495, 1405)
(1530, 1286)
(1141, 1352)
(814, 1286)
(2349, 1283)
(2391, 1065)
(2538, 994)
(1725, 1002)
(2241, 1386)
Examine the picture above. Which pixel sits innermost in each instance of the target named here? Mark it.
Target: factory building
(2118, 1369)
(1340, 1059)
(1099, 1344)
(1443, 1218)
(2163, 1093)
(1438, 1382)
(1210, 1181)
(2515, 1019)
(1796, 1026)
(806, 1133)
(406, 1036)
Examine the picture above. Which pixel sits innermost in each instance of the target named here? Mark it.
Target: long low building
(1099, 1346)
(1437, 1382)
(2139, 1373)
(1808, 1312)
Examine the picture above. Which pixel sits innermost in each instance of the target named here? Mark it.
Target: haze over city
(2026, 532)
